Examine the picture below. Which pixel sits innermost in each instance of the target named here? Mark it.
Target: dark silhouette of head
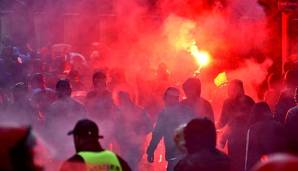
(171, 96)
(99, 80)
(199, 134)
(235, 89)
(37, 81)
(260, 112)
(192, 88)
(85, 134)
(63, 88)
(291, 79)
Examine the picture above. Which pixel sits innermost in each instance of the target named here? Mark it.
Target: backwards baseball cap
(85, 128)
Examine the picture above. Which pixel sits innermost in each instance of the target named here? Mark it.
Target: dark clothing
(201, 107)
(285, 102)
(265, 137)
(235, 114)
(204, 160)
(291, 124)
(77, 163)
(168, 121)
(234, 108)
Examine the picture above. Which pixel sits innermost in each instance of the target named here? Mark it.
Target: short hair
(291, 78)
(174, 89)
(63, 88)
(200, 133)
(192, 83)
(98, 75)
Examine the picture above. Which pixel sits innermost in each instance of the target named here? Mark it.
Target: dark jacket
(285, 102)
(204, 160)
(168, 120)
(265, 137)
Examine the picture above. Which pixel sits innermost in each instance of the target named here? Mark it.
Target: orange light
(221, 79)
(202, 57)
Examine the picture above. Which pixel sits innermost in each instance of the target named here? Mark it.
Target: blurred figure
(272, 94)
(194, 102)
(89, 153)
(238, 104)
(278, 162)
(21, 110)
(17, 149)
(41, 96)
(265, 135)
(200, 142)
(291, 124)
(99, 101)
(170, 118)
(61, 115)
(286, 99)
(235, 115)
(136, 123)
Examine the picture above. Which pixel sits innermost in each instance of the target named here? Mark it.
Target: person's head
(192, 88)
(274, 81)
(260, 112)
(37, 81)
(199, 134)
(291, 78)
(171, 96)
(235, 89)
(63, 88)
(85, 133)
(99, 80)
(20, 91)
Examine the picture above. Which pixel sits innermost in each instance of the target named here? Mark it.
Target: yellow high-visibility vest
(101, 161)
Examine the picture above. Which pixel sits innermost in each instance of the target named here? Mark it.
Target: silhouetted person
(200, 142)
(172, 116)
(194, 102)
(136, 123)
(17, 149)
(265, 135)
(61, 115)
(291, 124)
(238, 104)
(99, 101)
(271, 96)
(89, 153)
(21, 110)
(235, 115)
(41, 96)
(286, 99)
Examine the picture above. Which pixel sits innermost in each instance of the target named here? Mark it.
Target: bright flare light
(202, 57)
(221, 79)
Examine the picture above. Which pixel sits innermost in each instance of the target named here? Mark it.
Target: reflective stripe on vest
(101, 161)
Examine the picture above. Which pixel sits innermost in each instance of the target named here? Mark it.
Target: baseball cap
(85, 128)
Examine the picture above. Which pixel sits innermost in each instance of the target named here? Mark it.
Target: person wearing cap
(292, 126)
(89, 153)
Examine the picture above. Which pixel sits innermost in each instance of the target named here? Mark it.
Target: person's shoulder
(74, 163)
(91, 94)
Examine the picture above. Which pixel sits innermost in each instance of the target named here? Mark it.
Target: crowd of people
(60, 94)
